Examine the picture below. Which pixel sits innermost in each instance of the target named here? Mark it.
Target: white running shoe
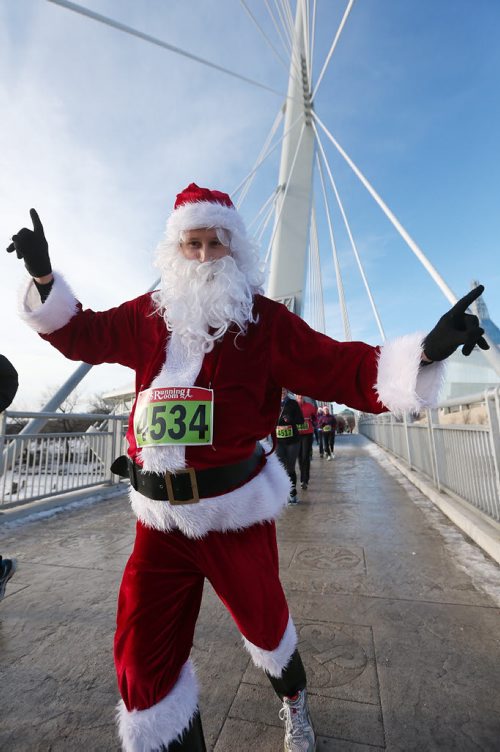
(299, 731)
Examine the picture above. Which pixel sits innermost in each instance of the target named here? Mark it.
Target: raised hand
(32, 246)
(456, 328)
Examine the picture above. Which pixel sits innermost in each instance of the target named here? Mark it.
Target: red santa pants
(160, 598)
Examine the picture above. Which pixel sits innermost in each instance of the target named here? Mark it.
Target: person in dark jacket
(8, 388)
(288, 439)
(327, 425)
(8, 383)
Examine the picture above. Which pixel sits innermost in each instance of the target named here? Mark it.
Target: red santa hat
(197, 207)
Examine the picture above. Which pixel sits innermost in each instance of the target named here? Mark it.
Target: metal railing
(463, 460)
(38, 465)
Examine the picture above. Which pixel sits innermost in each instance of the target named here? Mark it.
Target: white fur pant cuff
(274, 661)
(148, 730)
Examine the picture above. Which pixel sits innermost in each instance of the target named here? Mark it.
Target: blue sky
(99, 131)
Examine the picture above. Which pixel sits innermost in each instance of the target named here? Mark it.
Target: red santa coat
(309, 412)
(246, 373)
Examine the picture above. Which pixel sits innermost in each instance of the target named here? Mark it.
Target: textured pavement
(397, 617)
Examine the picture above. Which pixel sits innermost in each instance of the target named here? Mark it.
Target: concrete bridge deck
(398, 617)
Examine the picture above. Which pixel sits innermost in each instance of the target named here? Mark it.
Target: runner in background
(306, 431)
(288, 439)
(8, 388)
(327, 425)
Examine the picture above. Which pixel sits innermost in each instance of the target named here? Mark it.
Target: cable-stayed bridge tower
(293, 206)
(294, 241)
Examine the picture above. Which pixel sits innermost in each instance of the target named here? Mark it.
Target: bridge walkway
(397, 614)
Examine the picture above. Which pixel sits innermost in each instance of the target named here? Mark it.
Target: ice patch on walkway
(466, 554)
(54, 511)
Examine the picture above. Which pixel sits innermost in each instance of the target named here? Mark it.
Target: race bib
(304, 427)
(174, 415)
(284, 432)
(327, 429)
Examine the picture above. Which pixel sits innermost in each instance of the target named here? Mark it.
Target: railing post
(3, 428)
(435, 452)
(115, 447)
(393, 440)
(407, 418)
(492, 399)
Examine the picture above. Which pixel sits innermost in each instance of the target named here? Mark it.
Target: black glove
(456, 328)
(31, 246)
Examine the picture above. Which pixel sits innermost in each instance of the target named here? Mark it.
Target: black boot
(292, 679)
(192, 739)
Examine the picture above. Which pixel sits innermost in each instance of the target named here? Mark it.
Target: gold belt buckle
(194, 485)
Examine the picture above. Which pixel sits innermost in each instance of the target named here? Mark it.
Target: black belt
(187, 486)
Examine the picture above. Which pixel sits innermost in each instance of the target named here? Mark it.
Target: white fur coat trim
(181, 368)
(262, 498)
(403, 384)
(148, 730)
(274, 661)
(58, 309)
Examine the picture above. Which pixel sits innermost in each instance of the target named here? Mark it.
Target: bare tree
(97, 404)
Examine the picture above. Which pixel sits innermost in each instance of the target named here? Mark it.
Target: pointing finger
(462, 305)
(483, 344)
(37, 225)
(11, 248)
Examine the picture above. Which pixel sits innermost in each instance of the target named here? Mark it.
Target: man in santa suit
(211, 355)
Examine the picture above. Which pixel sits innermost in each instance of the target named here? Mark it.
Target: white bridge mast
(293, 207)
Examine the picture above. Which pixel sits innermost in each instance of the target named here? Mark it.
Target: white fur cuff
(274, 661)
(58, 309)
(403, 384)
(151, 729)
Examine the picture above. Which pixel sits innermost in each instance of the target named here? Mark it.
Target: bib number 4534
(181, 422)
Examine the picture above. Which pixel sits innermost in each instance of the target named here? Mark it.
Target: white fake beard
(195, 297)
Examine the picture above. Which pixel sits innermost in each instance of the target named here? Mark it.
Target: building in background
(465, 376)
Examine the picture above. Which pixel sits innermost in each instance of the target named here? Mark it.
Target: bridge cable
(334, 44)
(351, 238)
(158, 42)
(305, 13)
(247, 182)
(321, 301)
(317, 286)
(288, 11)
(296, 58)
(285, 192)
(263, 208)
(268, 40)
(293, 125)
(317, 289)
(285, 42)
(285, 21)
(263, 225)
(340, 284)
(313, 36)
(448, 293)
